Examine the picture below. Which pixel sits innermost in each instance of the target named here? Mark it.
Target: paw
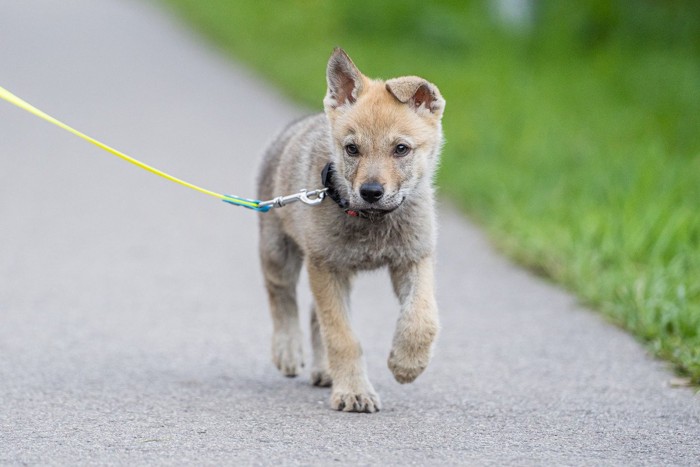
(366, 400)
(406, 367)
(320, 377)
(287, 354)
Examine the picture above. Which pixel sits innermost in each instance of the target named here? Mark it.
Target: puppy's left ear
(420, 94)
(344, 81)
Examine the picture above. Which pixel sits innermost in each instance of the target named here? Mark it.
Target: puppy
(378, 145)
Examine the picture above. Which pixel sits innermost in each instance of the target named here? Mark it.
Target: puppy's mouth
(373, 213)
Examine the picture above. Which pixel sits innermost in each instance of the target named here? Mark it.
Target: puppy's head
(386, 136)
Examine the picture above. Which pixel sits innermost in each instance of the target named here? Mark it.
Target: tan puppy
(383, 140)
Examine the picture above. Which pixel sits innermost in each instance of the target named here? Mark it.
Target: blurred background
(572, 129)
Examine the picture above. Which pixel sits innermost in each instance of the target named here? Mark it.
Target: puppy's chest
(370, 246)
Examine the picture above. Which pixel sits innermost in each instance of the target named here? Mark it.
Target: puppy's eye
(401, 150)
(351, 150)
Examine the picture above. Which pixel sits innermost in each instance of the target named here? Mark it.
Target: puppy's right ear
(344, 81)
(418, 93)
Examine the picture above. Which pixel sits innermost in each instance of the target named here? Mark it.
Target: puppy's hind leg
(281, 261)
(319, 368)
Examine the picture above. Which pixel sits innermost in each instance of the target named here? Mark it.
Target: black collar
(327, 178)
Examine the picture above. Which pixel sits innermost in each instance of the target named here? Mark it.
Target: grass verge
(574, 140)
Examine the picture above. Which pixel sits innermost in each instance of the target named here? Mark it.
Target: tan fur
(376, 117)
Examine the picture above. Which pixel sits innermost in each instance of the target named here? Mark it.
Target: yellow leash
(249, 203)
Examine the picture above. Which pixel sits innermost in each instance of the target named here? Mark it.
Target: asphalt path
(133, 323)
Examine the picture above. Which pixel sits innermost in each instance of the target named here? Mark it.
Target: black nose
(371, 192)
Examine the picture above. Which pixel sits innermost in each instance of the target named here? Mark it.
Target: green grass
(576, 143)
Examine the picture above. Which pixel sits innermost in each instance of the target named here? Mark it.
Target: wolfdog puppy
(378, 145)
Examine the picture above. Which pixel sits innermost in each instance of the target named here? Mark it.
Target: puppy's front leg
(352, 391)
(418, 323)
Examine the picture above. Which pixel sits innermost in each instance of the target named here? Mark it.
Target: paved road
(133, 325)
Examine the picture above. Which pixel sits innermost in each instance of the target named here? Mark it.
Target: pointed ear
(417, 92)
(344, 80)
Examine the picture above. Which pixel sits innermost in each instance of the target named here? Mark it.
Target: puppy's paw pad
(366, 402)
(405, 370)
(321, 378)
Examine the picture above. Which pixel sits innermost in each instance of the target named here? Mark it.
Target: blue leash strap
(253, 204)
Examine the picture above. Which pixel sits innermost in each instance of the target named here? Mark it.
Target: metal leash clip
(312, 198)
